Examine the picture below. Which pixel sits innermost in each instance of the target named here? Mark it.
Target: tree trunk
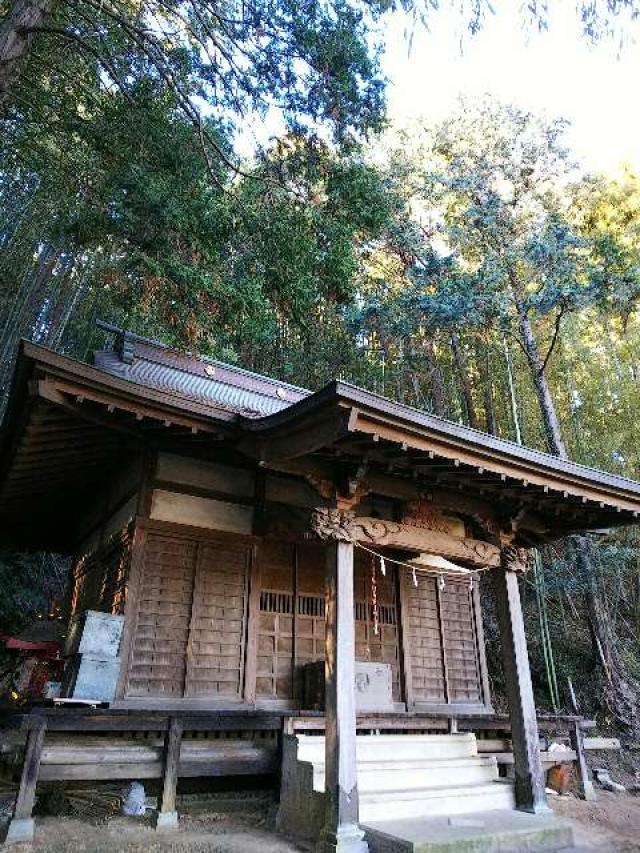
(621, 690)
(467, 394)
(552, 426)
(438, 395)
(484, 364)
(17, 33)
(512, 392)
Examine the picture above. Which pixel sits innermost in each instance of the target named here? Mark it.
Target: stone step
(388, 747)
(419, 773)
(431, 802)
(485, 832)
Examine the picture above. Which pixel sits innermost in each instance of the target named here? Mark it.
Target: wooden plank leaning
(577, 744)
(22, 827)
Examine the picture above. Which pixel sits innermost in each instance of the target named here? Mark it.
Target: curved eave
(452, 454)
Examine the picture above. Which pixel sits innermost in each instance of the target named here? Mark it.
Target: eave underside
(69, 428)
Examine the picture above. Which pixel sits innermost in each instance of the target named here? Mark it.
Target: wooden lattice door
(442, 638)
(461, 651)
(189, 639)
(215, 653)
(158, 654)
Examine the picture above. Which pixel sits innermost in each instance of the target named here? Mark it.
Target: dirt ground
(611, 823)
(243, 823)
(207, 825)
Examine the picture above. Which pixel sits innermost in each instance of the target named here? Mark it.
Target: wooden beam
(381, 533)
(167, 817)
(253, 619)
(21, 826)
(529, 774)
(341, 832)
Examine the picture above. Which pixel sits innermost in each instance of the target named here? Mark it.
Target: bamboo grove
(469, 268)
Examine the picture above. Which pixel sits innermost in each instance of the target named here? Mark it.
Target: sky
(558, 73)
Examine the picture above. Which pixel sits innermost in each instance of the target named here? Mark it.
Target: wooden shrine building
(238, 524)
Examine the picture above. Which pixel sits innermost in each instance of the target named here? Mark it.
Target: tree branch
(554, 340)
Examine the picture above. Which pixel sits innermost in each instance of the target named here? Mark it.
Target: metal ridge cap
(197, 357)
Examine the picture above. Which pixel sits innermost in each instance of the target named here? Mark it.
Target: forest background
(467, 267)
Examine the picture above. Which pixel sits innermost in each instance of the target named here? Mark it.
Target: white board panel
(204, 475)
(201, 512)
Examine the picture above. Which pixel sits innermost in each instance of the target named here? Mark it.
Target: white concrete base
(21, 830)
(402, 777)
(166, 821)
(348, 839)
(484, 832)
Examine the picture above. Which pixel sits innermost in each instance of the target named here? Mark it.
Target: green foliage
(30, 583)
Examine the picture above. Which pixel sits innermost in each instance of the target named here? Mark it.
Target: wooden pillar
(21, 827)
(529, 775)
(167, 817)
(341, 832)
(577, 745)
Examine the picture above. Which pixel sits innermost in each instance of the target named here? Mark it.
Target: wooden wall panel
(464, 677)
(442, 642)
(215, 655)
(99, 578)
(159, 647)
(309, 611)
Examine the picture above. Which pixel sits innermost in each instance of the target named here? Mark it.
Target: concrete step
(492, 832)
(431, 802)
(395, 747)
(418, 773)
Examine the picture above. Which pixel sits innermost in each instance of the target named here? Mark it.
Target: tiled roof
(193, 377)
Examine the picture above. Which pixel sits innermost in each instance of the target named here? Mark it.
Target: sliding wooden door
(189, 639)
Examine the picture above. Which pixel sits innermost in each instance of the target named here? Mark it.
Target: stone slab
(483, 832)
(88, 677)
(166, 821)
(21, 831)
(95, 634)
(373, 686)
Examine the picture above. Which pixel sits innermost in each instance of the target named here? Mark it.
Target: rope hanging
(441, 573)
(374, 598)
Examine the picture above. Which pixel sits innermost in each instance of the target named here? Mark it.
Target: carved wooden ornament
(328, 523)
(343, 526)
(424, 514)
(515, 560)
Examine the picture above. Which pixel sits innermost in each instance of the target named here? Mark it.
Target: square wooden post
(167, 817)
(341, 832)
(529, 774)
(21, 826)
